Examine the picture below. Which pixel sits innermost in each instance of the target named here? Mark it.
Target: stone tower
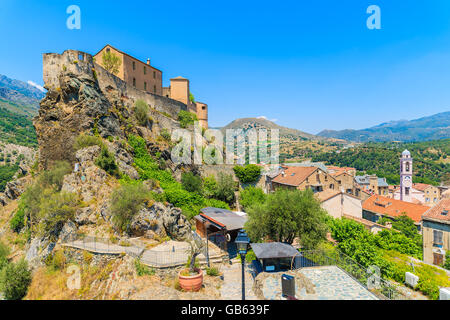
(406, 176)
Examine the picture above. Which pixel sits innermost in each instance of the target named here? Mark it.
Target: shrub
(17, 222)
(213, 271)
(165, 134)
(186, 118)
(126, 201)
(191, 182)
(248, 174)
(141, 110)
(446, 264)
(85, 140)
(4, 253)
(250, 196)
(107, 162)
(225, 188)
(209, 186)
(55, 176)
(57, 260)
(15, 278)
(143, 270)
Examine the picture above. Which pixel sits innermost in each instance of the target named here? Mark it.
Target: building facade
(303, 178)
(436, 232)
(406, 171)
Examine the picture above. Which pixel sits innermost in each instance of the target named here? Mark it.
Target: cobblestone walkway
(231, 289)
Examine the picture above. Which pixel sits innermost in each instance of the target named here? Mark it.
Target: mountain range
(433, 127)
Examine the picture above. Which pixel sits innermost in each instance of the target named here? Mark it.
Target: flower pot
(191, 283)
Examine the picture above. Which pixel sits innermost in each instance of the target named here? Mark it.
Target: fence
(176, 256)
(382, 288)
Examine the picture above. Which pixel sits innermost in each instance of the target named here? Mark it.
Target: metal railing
(380, 287)
(133, 247)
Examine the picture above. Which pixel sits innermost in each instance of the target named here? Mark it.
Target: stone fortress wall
(82, 64)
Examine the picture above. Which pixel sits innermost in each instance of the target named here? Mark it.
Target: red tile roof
(436, 212)
(421, 186)
(394, 208)
(294, 176)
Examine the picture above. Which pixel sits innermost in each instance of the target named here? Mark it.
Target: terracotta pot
(191, 283)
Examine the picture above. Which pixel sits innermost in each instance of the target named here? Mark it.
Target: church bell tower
(406, 176)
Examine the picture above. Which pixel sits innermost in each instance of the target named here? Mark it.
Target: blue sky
(311, 65)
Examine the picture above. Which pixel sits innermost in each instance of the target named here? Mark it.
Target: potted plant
(191, 278)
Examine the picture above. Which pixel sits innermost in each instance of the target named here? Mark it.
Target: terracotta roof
(327, 194)
(364, 221)
(437, 212)
(394, 208)
(294, 176)
(421, 186)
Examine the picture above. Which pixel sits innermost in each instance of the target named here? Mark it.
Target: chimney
(148, 61)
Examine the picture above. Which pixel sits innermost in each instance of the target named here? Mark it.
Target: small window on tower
(407, 191)
(134, 65)
(407, 166)
(134, 82)
(145, 86)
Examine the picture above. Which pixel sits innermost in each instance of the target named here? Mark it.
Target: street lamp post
(242, 242)
(207, 245)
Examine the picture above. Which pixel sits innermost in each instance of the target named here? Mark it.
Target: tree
(250, 196)
(186, 118)
(111, 62)
(107, 162)
(287, 214)
(191, 182)
(15, 279)
(209, 187)
(4, 252)
(141, 110)
(446, 264)
(225, 188)
(248, 174)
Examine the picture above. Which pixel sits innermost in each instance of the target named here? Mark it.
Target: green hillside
(431, 160)
(17, 129)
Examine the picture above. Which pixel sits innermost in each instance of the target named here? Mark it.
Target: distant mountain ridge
(19, 97)
(261, 123)
(433, 127)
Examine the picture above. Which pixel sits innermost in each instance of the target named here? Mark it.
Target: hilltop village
(104, 196)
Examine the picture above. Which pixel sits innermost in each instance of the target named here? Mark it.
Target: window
(154, 89)
(145, 86)
(134, 82)
(203, 108)
(108, 50)
(407, 166)
(145, 70)
(154, 75)
(437, 237)
(134, 65)
(407, 191)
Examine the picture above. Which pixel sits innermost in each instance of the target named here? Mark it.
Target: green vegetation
(18, 220)
(250, 196)
(141, 110)
(4, 253)
(191, 97)
(15, 278)
(85, 140)
(111, 62)
(126, 201)
(186, 118)
(446, 264)
(148, 168)
(143, 270)
(107, 162)
(287, 214)
(191, 182)
(382, 159)
(16, 128)
(247, 174)
(6, 174)
(389, 250)
(213, 271)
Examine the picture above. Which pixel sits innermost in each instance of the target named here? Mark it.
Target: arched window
(407, 166)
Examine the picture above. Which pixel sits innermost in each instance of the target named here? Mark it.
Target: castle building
(406, 176)
(147, 78)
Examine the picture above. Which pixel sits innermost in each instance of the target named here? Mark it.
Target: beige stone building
(302, 178)
(147, 78)
(141, 75)
(338, 203)
(373, 184)
(436, 232)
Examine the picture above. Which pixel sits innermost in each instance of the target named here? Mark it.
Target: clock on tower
(405, 176)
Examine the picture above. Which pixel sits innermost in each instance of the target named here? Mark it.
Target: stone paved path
(231, 289)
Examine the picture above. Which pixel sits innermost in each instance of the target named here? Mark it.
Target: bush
(126, 201)
(84, 141)
(15, 278)
(55, 176)
(107, 162)
(251, 195)
(141, 110)
(165, 134)
(143, 270)
(4, 253)
(191, 182)
(213, 271)
(248, 174)
(55, 210)
(446, 264)
(225, 188)
(17, 222)
(186, 118)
